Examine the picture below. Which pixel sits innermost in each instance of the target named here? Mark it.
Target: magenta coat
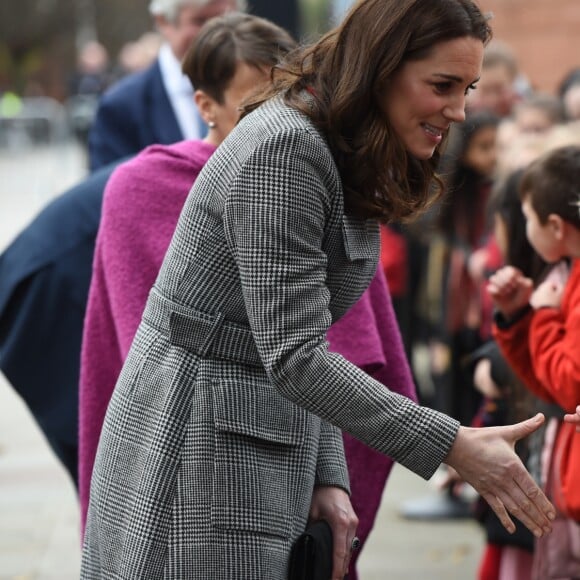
(141, 206)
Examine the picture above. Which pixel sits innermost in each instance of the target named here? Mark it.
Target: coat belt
(207, 335)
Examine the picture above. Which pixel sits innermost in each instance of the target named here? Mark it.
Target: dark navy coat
(134, 113)
(44, 281)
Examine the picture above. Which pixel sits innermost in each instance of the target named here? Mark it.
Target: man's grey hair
(169, 9)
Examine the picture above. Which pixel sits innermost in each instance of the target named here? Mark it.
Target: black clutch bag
(311, 555)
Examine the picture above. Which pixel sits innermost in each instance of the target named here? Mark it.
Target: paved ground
(38, 509)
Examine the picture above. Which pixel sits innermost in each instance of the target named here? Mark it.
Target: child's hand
(483, 382)
(440, 357)
(574, 418)
(510, 290)
(477, 263)
(547, 294)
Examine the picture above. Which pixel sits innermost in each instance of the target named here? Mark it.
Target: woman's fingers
(339, 553)
(344, 530)
(517, 431)
(541, 510)
(524, 509)
(521, 498)
(333, 505)
(499, 509)
(485, 458)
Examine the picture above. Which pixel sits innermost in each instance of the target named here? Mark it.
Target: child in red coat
(538, 329)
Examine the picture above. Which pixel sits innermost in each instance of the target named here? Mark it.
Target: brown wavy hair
(347, 71)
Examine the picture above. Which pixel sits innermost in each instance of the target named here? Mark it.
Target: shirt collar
(173, 79)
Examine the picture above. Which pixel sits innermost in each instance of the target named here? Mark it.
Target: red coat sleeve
(544, 347)
(514, 345)
(554, 343)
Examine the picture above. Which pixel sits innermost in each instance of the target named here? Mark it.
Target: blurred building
(545, 36)
(39, 38)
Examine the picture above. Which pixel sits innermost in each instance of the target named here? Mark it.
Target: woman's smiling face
(425, 96)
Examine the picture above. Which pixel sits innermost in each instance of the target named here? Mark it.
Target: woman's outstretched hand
(333, 505)
(485, 458)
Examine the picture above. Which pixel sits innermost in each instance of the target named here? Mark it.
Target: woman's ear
(206, 106)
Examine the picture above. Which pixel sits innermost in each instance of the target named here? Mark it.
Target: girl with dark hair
(461, 323)
(505, 398)
(222, 438)
(509, 227)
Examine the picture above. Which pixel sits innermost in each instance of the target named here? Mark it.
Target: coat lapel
(164, 126)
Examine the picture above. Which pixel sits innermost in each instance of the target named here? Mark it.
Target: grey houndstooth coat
(213, 440)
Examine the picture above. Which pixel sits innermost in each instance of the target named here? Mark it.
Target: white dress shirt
(180, 94)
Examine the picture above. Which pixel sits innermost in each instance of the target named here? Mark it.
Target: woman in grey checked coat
(223, 435)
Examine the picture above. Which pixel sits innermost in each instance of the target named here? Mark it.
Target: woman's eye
(469, 89)
(442, 87)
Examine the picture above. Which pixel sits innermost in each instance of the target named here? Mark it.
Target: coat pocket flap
(356, 239)
(257, 410)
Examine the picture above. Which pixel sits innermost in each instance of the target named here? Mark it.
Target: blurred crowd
(441, 262)
(439, 270)
(31, 117)
(508, 125)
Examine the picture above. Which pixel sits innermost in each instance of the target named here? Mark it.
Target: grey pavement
(39, 538)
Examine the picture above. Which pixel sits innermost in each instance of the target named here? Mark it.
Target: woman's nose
(455, 110)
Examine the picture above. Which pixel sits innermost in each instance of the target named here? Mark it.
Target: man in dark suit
(44, 281)
(155, 105)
